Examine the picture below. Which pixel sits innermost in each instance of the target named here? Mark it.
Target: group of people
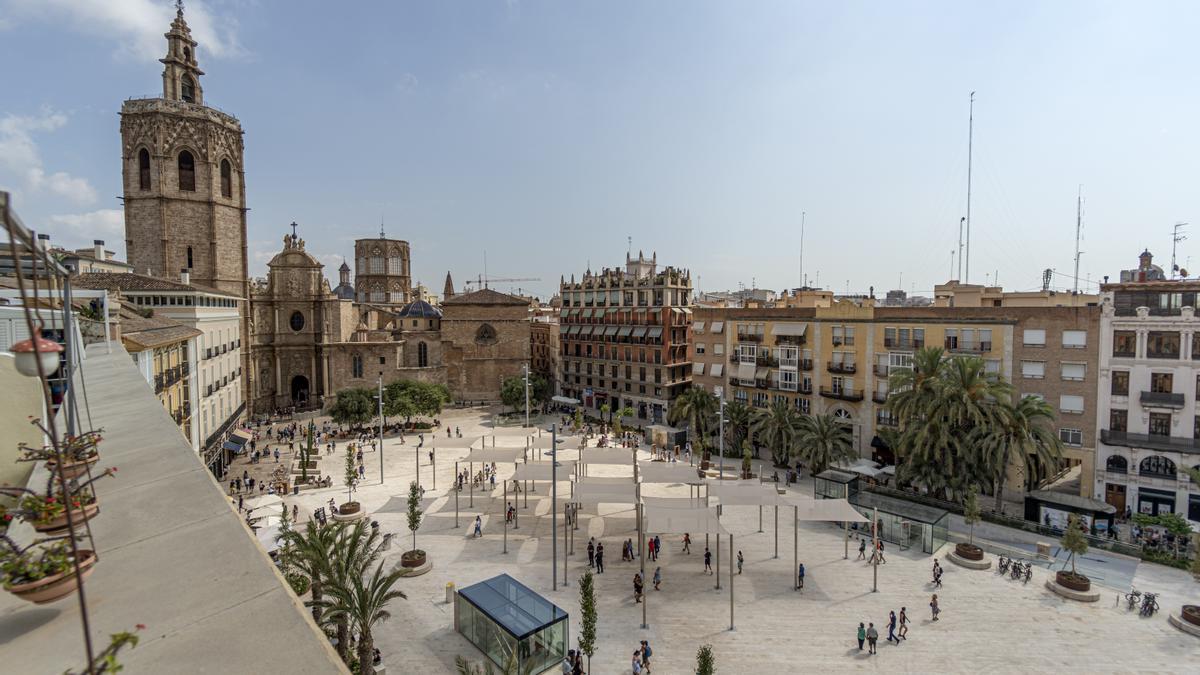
(595, 551)
(897, 627)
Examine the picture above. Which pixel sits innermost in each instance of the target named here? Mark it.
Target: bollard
(449, 592)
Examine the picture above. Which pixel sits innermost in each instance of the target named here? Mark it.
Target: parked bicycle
(1132, 599)
(1002, 567)
(1149, 604)
(1016, 570)
(1028, 572)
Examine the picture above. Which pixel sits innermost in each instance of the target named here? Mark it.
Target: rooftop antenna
(970, 152)
(1176, 237)
(802, 214)
(629, 250)
(1047, 276)
(1078, 233)
(952, 276)
(958, 277)
(381, 228)
(485, 281)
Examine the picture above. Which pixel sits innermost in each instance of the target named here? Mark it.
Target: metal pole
(471, 480)
(516, 512)
(526, 366)
(456, 491)
(642, 557)
(796, 547)
(730, 581)
(505, 517)
(760, 517)
(553, 508)
(875, 552)
(432, 466)
(776, 531)
(418, 478)
(846, 524)
(718, 556)
(721, 435)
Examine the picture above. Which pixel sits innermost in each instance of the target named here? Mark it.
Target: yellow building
(165, 352)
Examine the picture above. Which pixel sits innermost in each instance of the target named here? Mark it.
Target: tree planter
(78, 518)
(968, 552)
(1074, 582)
(55, 586)
(349, 512)
(1191, 614)
(414, 558)
(73, 469)
(704, 465)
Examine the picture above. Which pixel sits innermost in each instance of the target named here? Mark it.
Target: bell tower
(181, 75)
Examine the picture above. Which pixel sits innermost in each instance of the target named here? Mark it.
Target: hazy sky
(548, 133)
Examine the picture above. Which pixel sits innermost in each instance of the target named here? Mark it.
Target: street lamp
(525, 366)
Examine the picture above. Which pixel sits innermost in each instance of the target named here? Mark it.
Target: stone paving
(988, 623)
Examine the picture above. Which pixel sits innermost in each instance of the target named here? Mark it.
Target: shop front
(1153, 502)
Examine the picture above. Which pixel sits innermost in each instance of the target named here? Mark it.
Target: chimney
(44, 242)
(185, 277)
(98, 249)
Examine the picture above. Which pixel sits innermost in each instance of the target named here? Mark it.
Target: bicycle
(1132, 599)
(1016, 570)
(1002, 567)
(1028, 572)
(1149, 604)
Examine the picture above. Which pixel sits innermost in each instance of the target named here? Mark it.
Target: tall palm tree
(363, 602)
(309, 551)
(776, 426)
(1023, 433)
(912, 389)
(356, 547)
(696, 407)
(823, 440)
(968, 394)
(738, 419)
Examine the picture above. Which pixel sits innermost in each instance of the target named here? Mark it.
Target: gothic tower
(185, 198)
(448, 291)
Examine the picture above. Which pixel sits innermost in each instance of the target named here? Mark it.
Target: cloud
(80, 229)
(20, 157)
(137, 26)
(408, 83)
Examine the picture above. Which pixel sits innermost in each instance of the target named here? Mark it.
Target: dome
(420, 309)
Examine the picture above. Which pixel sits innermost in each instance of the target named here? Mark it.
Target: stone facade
(382, 274)
(485, 340)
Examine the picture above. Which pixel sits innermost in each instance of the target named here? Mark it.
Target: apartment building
(544, 345)
(1149, 415)
(624, 336)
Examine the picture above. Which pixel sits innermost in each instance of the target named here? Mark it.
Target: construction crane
(482, 281)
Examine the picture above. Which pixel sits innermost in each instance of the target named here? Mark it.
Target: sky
(549, 137)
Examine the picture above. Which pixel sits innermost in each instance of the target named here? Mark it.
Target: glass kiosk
(502, 616)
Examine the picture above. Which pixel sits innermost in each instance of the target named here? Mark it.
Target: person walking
(880, 552)
(478, 526)
(862, 549)
(740, 561)
(646, 652)
(592, 553)
(637, 587)
(687, 543)
(800, 577)
(600, 558)
(891, 626)
(862, 635)
(637, 662)
(904, 621)
(657, 546)
(707, 560)
(657, 578)
(872, 638)
(934, 610)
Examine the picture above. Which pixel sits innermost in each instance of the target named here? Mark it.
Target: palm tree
(356, 547)
(696, 407)
(912, 389)
(363, 602)
(738, 419)
(1022, 433)
(823, 440)
(616, 419)
(309, 550)
(776, 426)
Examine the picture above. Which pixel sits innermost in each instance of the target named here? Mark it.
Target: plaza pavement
(988, 623)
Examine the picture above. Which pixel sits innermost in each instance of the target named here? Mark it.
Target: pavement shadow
(17, 624)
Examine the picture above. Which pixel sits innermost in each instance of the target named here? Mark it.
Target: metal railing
(1162, 398)
(845, 393)
(841, 367)
(1149, 441)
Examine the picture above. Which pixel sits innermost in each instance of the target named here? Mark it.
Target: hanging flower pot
(73, 469)
(80, 514)
(53, 586)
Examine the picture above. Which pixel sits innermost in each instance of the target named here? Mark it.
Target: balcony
(903, 344)
(841, 367)
(879, 397)
(767, 360)
(881, 370)
(885, 420)
(1149, 442)
(1124, 353)
(806, 388)
(1162, 399)
(962, 346)
(750, 337)
(806, 364)
(795, 340)
(843, 394)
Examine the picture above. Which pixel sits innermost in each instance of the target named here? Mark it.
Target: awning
(585, 330)
(745, 371)
(685, 310)
(761, 373)
(611, 310)
(718, 370)
(563, 328)
(718, 326)
(698, 327)
(565, 400)
(654, 332)
(575, 312)
(232, 447)
(240, 436)
(624, 331)
(564, 313)
(587, 314)
(796, 329)
(610, 331)
(639, 331)
(697, 368)
(574, 329)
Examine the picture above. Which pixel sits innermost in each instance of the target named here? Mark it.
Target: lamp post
(525, 366)
(721, 435)
(554, 508)
(418, 478)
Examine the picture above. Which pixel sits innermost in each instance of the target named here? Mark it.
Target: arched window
(187, 89)
(226, 179)
(143, 169)
(842, 415)
(422, 355)
(356, 366)
(187, 172)
(1117, 464)
(1157, 465)
(187, 54)
(189, 257)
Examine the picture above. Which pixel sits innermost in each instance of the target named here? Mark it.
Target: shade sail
(673, 502)
(833, 510)
(747, 493)
(667, 472)
(544, 442)
(494, 455)
(605, 493)
(607, 456)
(544, 471)
(448, 444)
(607, 480)
(796, 329)
(263, 502)
(678, 521)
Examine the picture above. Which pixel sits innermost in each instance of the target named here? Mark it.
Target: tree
(696, 407)
(409, 398)
(823, 440)
(1019, 433)
(616, 419)
(605, 413)
(363, 602)
(355, 548)
(776, 426)
(351, 473)
(738, 419)
(353, 406)
(971, 513)
(414, 511)
(705, 664)
(578, 418)
(1074, 541)
(512, 393)
(587, 610)
(308, 551)
(746, 459)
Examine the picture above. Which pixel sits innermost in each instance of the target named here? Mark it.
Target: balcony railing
(885, 420)
(844, 394)
(971, 347)
(806, 388)
(881, 370)
(767, 360)
(1150, 442)
(903, 344)
(749, 337)
(806, 364)
(1162, 399)
(879, 397)
(841, 367)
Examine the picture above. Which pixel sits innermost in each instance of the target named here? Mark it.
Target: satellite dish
(1182, 272)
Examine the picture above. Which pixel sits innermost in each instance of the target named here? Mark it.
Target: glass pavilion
(501, 617)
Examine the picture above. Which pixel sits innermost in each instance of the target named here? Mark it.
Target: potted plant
(79, 452)
(350, 509)
(415, 557)
(1074, 542)
(47, 512)
(44, 571)
(746, 461)
(971, 515)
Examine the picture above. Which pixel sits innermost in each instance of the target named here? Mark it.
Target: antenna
(484, 279)
(952, 276)
(1047, 276)
(802, 214)
(958, 277)
(970, 151)
(1176, 237)
(381, 228)
(1078, 233)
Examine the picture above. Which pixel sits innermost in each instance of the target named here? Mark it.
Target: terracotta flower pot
(73, 469)
(414, 558)
(55, 586)
(349, 508)
(968, 551)
(78, 518)
(1074, 582)
(1191, 614)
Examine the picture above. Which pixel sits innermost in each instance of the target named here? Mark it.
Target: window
(356, 366)
(1074, 339)
(849, 330)
(1070, 403)
(1034, 337)
(297, 321)
(1074, 371)
(187, 172)
(718, 348)
(226, 179)
(699, 348)
(189, 258)
(1118, 420)
(991, 366)
(1124, 343)
(1158, 466)
(187, 89)
(1120, 383)
(787, 380)
(1160, 424)
(1161, 383)
(143, 169)
(1117, 464)
(1162, 345)
(1033, 370)
(1073, 437)
(951, 339)
(803, 405)
(395, 266)
(838, 336)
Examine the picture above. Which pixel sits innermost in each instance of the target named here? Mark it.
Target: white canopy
(889, 470)
(607, 480)
(488, 455)
(565, 400)
(832, 510)
(543, 442)
(747, 493)
(678, 521)
(607, 456)
(451, 444)
(587, 492)
(263, 502)
(266, 536)
(667, 472)
(544, 471)
(673, 502)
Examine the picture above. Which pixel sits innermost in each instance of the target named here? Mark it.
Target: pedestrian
(637, 587)
(646, 655)
(592, 553)
(568, 662)
(862, 635)
(657, 546)
(707, 560)
(600, 558)
(740, 561)
(872, 638)
(650, 549)
(240, 497)
(657, 578)
(800, 577)
(862, 549)
(295, 512)
(904, 623)
(637, 662)
(891, 626)
(687, 543)
(478, 526)
(933, 607)
(880, 551)
(277, 454)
